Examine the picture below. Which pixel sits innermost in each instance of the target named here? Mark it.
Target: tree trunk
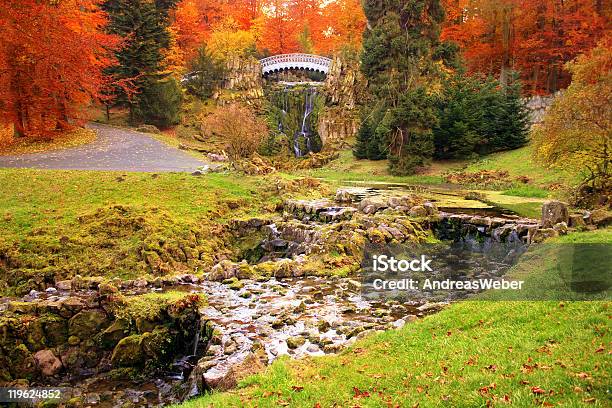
(506, 40)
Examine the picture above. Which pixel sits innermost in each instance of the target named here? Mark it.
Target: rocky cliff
(344, 89)
(242, 82)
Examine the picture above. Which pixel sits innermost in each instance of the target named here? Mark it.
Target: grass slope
(520, 162)
(56, 224)
(474, 353)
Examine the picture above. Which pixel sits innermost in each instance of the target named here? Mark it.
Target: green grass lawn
(56, 224)
(473, 353)
(346, 168)
(520, 162)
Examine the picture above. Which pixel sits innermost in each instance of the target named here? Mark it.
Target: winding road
(114, 149)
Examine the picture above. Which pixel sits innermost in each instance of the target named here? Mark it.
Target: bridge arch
(282, 62)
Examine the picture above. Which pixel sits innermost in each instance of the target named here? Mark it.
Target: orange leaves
(537, 36)
(57, 68)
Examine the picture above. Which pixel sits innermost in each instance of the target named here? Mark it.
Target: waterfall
(297, 107)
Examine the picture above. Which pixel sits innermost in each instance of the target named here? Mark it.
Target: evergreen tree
(513, 122)
(160, 103)
(479, 117)
(144, 27)
(402, 57)
(364, 136)
(207, 73)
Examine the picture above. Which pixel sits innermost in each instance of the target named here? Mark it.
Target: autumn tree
(577, 129)
(242, 131)
(280, 31)
(52, 57)
(534, 37)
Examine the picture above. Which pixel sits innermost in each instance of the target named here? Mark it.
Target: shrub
(242, 131)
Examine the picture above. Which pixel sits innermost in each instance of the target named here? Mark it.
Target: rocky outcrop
(242, 82)
(337, 125)
(56, 338)
(538, 105)
(345, 84)
(344, 90)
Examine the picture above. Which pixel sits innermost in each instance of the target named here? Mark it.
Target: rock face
(538, 105)
(554, 212)
(242, 82)
(336, 125)
(343, 90)
(345, 83)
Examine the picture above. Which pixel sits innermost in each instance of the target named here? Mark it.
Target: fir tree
(144, 27)
(159, 103)
(206, 74)
(401, 58)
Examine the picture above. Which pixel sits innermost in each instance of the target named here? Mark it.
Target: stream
(261, 319)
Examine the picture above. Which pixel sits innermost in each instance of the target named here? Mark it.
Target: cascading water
(297, 117)
(305, 132)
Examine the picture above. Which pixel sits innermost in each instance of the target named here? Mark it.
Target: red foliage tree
(52, 57)
(535, 37)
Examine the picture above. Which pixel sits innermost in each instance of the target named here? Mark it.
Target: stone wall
(538, 105)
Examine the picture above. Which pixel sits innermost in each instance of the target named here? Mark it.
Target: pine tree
(159, 103)
(401, 58)
(206, 74)
(144, 27)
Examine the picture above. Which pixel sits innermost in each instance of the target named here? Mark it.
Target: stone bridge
(309, 62)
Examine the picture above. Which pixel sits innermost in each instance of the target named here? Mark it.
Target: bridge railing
(288, 58)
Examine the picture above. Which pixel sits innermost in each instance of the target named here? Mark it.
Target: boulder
(601, 217)
(561, 228)
(541, 234)
(430, 208)
(114, 333)
(576, 221)
(48, 364)
(295, 342)
(223, 378)
(128, 352)
(345, 196)
(372, 204)
(554, 212)
(418, 211)
(87, 323)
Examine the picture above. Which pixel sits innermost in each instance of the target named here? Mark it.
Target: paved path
(113, 149)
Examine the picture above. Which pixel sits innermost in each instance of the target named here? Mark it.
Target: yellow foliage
(6, 134)
(228, 39)
(577, 129)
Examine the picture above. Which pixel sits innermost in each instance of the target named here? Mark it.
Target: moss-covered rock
(55, 329)
(22, 364)
(128, 352)
(119, 329)
(87, 323)
(158, 345)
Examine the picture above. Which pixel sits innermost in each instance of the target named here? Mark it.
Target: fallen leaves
(360, 394)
